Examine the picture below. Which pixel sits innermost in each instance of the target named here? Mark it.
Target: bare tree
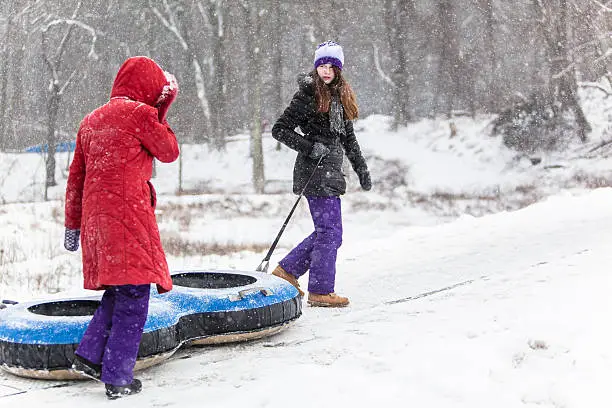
(492, 77)
(214, 18)
(561, 90)
(450, 62)
(11, 56)
(169, 14)
(277, 58)
(552, 115)
(430, 55)
(253, 16)
(592, 45)
(4, 74)
(397, 17)
(324, 18)
(53, 53)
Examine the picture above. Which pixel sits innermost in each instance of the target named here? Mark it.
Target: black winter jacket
(328, 180)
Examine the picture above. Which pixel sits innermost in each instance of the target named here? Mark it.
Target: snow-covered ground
(526, 327)
(521, 322)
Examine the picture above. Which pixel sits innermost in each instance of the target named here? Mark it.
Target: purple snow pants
(318, 251)
(113, 335)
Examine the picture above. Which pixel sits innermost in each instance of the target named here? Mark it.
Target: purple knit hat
(329, 52)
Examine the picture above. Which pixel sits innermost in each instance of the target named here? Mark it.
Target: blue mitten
(71, 239)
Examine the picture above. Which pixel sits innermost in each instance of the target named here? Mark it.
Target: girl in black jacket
(323, 108)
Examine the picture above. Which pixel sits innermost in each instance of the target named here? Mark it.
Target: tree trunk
(4, 72)
(52, 110)
(277, 63)
(449, 66)
(492, 100)
(219, 65)
(12, 98)
(254, 17)
(564, 77)
(397, 15)
(201, 92)
(257, 142)
(180, 171)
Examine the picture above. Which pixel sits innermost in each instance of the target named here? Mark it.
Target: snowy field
(526, 327)
(476, 279)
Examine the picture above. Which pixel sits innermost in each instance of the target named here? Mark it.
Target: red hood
(140, 79)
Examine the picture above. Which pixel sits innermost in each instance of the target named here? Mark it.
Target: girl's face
(326, 73)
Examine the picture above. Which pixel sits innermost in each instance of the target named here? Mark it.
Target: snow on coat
(109, 196)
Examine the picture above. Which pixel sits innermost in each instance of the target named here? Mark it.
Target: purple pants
(318, 251)
(113, 335)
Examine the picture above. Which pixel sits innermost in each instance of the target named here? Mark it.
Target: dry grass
(590, 181)
(57, 213)
(228, 205)
(10, 253)
(179, 247)
(50, 275)
(451, 205)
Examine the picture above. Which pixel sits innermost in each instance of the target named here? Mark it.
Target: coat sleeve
(74, 186)
(158, 138)
(296, 114)
(352, 150)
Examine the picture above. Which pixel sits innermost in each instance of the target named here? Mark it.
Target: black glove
(71, 239)
(318, 150)
(365, 180)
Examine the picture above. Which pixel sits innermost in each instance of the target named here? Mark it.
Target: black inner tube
(66, 308)
(207, 280)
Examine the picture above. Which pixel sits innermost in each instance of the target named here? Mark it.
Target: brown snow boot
(281, 273)
(329, 300)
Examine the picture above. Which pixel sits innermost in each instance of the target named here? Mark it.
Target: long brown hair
(323, 93)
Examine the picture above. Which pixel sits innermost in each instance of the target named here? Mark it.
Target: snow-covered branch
(594, 41)
(80, 24)
(204, 14)
(61, 48)
(603, 57)
(68, 81)
(27, 9)
(595, 85)
(54, 65)
(603, 6)
(54, 77)
(169, 22)
(379, 69)
(219, 11)
(564, 72)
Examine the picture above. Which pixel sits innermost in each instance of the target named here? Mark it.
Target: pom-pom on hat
(329, 52)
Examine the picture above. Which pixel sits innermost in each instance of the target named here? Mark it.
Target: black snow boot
(118, 391)
(86, 367)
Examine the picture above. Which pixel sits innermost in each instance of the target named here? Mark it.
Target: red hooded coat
(109, 196)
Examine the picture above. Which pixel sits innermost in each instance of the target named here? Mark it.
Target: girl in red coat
(110, 204)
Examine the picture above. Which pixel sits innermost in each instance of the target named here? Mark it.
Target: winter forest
(477, 265)
(237, 61)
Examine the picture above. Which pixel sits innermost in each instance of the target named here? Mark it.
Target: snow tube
(226, 306)
(38, 339)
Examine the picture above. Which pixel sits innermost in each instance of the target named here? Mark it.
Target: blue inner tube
(44, 335)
